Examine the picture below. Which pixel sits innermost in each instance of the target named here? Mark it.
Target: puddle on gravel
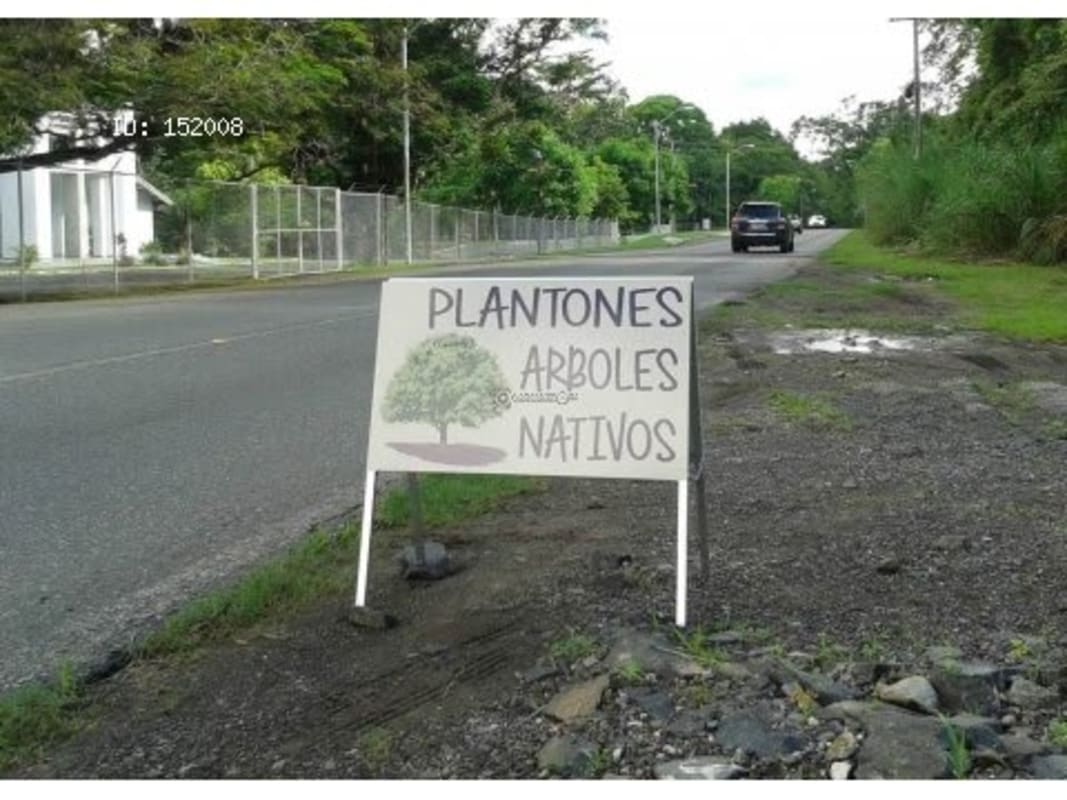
(842, 341)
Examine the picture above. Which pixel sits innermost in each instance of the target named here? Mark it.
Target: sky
(789, 68)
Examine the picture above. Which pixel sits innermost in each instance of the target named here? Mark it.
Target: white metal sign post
(579, 377)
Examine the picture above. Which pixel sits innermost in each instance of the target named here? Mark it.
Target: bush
(1044, 241)
(152, 253)
(27, 255)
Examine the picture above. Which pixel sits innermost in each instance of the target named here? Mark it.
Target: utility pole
(730, 149)
(728, 189)
(655, 128)
(916, 82)
(918, 90)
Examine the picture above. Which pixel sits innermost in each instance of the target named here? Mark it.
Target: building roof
(152, 190)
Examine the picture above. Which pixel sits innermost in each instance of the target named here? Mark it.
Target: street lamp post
(730, 150)
(658, 133)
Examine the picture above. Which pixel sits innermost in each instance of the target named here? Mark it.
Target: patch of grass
(572, 648)
(321, 565)
(698, 695)
(36, 716)
(1019, 651)
(1010, 399)
(807, 410)
(805, 703)
(630, 673)
(659, 241)
(1020, 301)
(1057, 429)
(828, 653)
(449, 499)
(1057, 733)
(599, 762)
(873, 650)
(695, 645)
(317, 566)
(375, 748)
(959, 754)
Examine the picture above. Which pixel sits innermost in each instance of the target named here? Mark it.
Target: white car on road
(816, 221)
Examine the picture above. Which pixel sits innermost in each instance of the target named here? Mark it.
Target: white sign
(583, 377)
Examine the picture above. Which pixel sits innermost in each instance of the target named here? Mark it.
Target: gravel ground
(919, 503)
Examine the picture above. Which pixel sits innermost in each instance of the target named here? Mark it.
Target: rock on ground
(578, 701)
(699, 768)
(914, 692)
(566, 755)
(840, 770)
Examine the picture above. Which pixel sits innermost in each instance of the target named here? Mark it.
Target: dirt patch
(934, 518)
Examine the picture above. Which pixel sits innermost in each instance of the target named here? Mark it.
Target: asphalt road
(152, 448)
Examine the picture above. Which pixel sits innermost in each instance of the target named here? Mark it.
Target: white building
(77, 210)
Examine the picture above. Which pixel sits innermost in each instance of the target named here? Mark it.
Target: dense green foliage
(991, 178)
(511, 115)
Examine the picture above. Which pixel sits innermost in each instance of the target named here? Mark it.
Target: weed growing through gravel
(1018, 651)
(1011, 400)
(572, 648)
(630, 673)
(805, 703)
(599, 762)
(35, 716)
(828, 653)
(697, 695)
(807, 410)
(959, 755)
(696, 646)
(1056, 429)
(873, 650)
(1057, 733)
(375, 747)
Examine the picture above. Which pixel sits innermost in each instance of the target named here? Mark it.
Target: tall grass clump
(990, 193)
(970, 198)
(897, 191)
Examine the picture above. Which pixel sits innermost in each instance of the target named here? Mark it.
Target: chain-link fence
(68, 231)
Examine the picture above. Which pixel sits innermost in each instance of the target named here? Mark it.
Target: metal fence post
(318, 226)
(299, 232)
(189, 244)
(253, 194)
(475, 231)
(114, 237)
(337, 229)
(433, 227)
(379, 210)
(459, 234)
(22, 240)
(277, 225)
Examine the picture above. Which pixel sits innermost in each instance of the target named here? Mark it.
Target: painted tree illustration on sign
(446, 380)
